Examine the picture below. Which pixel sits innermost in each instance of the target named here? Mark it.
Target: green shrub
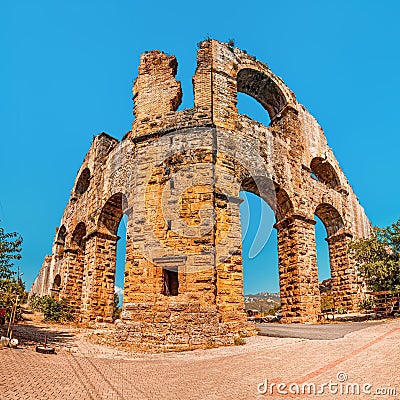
(275, 309)
(35, 302)
(367, 304)
(239, 341)
(327, 302)
(53, 310)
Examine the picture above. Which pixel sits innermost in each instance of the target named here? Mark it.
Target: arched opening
(112, 213)
(250, 107)
(328, 223)
(330, 217)
(324, 172)
(78, 236)
(60, 242)
(61, 235)
(113, 222)
(259, 255)
(324, 268)
(120, 262)
(264, 204)
(83, 182)
(57, 282)
(323, 265)
(262, 88)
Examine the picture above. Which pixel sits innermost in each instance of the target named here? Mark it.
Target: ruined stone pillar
(229, 268)
(298, 272)
(344, 277)
(157, 68)
(99, 277)
(215, 83)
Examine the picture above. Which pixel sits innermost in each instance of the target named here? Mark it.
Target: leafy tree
(378, 258)
(9, 288)
(10, 249)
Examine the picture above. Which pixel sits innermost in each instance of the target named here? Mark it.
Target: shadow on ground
(32, 333)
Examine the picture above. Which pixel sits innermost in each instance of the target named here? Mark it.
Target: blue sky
(67, 69)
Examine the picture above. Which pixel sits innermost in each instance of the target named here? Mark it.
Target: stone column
(344, 277)
(229, 269)
(298, 272)
(73, 276)
(99, 276)
(140, 277)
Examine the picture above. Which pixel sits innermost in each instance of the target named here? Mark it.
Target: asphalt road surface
(313, 331)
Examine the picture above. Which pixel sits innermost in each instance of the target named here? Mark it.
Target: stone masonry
(177, 176)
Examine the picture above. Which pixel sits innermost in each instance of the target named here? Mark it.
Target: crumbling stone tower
(177, 176)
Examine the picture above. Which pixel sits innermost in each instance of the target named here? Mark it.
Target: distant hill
(263, 302)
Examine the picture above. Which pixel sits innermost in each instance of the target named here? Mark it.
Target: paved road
(366, 356)
(311, 331)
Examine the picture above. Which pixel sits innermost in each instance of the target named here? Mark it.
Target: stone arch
(343, 276)
(57, 282)
(60, 241)
(284, 204)
(330, 217)
(262, 88)
(83, 182)
(78, 236)
(61, 235)
(325, 172)
(56, 287)
(101, 247)
(272, 193)
(111, 213)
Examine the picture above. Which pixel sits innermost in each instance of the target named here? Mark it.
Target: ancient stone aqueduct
(177, 176)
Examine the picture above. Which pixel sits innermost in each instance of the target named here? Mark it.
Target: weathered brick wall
(156, 69)
(41, 284)
(177, 176)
